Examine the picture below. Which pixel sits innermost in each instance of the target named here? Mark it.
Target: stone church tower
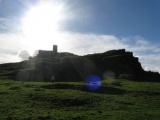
(55, 49)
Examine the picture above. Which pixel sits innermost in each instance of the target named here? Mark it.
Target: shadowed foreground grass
(116, 99)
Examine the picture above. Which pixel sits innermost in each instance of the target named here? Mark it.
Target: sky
(81, 27)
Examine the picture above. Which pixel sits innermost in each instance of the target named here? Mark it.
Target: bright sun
(40, 25)
(42, 19)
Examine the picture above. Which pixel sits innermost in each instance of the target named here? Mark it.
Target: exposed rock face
(118, 61)
(70, 67)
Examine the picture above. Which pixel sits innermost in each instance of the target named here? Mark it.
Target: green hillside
(117, 99)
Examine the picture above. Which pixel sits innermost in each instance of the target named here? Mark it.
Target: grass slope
(116, 99)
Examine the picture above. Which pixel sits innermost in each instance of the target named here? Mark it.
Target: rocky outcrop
(120, 62)
(69, 67)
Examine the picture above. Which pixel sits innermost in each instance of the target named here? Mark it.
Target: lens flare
(93, 82)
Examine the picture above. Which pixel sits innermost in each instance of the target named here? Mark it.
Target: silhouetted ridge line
(69, 67)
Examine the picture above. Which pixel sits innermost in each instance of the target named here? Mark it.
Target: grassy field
(116, 99)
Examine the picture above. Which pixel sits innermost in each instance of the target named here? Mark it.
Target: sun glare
(42, 18)
(41, 24)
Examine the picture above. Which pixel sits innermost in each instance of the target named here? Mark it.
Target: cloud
(8, 58)
(10, 45)
(91, 43)
(24, 55)
(81, 44)
(3, 24)
(150, 61)
(8, 25)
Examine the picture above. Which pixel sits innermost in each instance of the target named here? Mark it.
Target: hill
(70, 67)
(69, 97)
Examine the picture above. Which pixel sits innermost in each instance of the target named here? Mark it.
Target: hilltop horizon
(66, 66)
(25, 55)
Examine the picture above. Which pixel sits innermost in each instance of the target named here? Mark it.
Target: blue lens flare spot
(93, 82)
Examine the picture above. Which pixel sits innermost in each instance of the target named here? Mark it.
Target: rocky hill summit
(65, 66)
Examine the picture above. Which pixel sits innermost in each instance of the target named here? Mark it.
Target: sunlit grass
(116, 99)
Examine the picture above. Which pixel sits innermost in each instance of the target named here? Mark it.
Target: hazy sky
(81, 27)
